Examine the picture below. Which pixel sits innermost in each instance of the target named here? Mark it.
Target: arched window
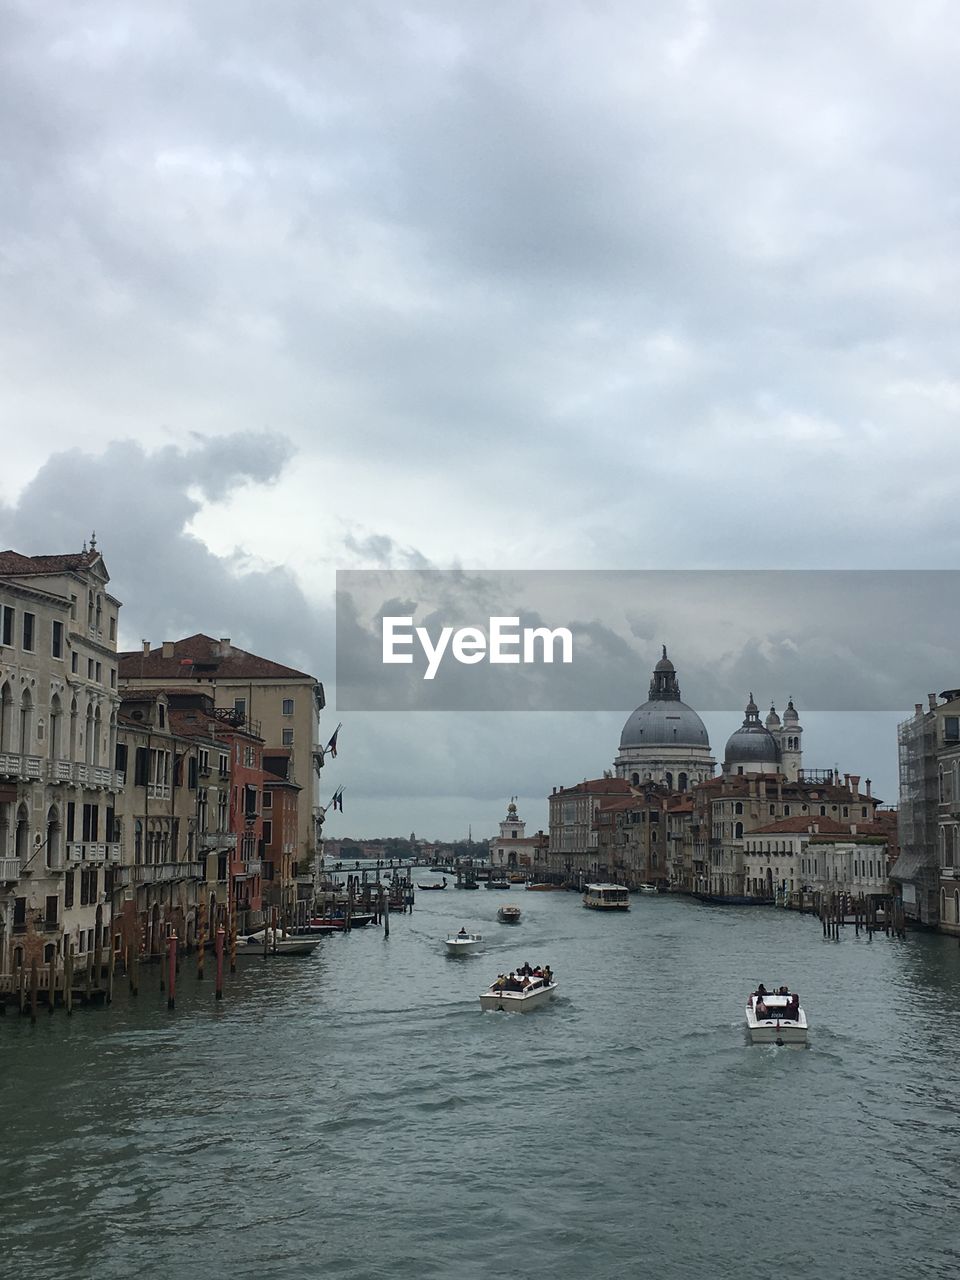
(97, 729)
(668, 779)
(940, 784)
(635, 779)
(738, 831)
(88, 744)
(54, 849)
(26, 723)
(943, 904)
(21, 845)
(738, 807)
(73, 728)
(138, 841)
(56, 727)
(6, 718)
(682, 782)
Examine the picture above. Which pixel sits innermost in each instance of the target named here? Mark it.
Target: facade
(664, 741)
(162, 877)
(284, 878)
(58, 784)
(917, 871)
(573, 843)
(805, 855)
(513, 849)
(632, 838)
(284, 703)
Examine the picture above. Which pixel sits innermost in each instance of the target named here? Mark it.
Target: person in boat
(793, 1008)
(761, 991)
(784, 991)
(462, 933)
(761, 1008)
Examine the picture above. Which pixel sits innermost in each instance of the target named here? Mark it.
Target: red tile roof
(201, 655)
(803, 823)
(12, 562)
(599, 786)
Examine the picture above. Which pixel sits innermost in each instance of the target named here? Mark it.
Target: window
(240, 707)
(99, 673)
(113, 627)
(951, 728)
(140, 768)
(68, 889)
(268, 799)
(192, 773)
(29, 621)
(738, 807)
(90, 668)
(224, 765)
(288, 706)
(162, 715)
(113, 677)
(75, 663)
(7, 625)
(288, 737)
(56, 640)
(73, 607)
(267, 832)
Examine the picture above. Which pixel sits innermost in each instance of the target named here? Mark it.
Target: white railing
(81, 773)
(214, 840)
(74, 853)
(59, 770)
(114, 854)
(16, 766)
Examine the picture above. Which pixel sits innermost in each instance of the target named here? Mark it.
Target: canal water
(356, 1115)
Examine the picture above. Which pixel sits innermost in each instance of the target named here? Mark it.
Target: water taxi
(463, 943)
(520, 993)
(508, 915)
(775, 1017)
(606, 897)
(277, 944)
(649, 888)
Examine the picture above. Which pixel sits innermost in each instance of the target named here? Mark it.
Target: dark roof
(12, 562)
(201, 655)
(599, 786)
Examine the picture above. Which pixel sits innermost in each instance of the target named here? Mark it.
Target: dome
(664, 723)
(773, 720)
(752, 743)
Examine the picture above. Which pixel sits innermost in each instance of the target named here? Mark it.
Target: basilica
(665, 742)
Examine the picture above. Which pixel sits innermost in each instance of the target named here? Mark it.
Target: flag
(332, 744)
(338, 799)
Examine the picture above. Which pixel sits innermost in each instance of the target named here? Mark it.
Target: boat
(775, 1017)
(542, 888)
(463, 943)
(649, 888)
(538, 989)
(606, 897)
(508, 915)
(426, 887)
(498, 884)
(469, 884)
(277, 944)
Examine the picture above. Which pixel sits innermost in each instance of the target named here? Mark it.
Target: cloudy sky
(309, 286)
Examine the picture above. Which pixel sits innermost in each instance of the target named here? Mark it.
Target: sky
(296, 288)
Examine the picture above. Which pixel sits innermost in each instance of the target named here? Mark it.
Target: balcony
(26, 768)
(9, 870)
(59, 771)
(250, 869)
(216, 840)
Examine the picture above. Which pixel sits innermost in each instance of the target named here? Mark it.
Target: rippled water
(356, 1115)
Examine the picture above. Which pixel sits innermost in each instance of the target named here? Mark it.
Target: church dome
(752, 743)
(773, 720)
(664, 720)
(664, 724)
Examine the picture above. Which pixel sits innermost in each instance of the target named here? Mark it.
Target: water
(355, 1115)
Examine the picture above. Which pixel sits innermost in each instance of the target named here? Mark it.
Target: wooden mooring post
(52, 982)
(34, 985)
(68, 979)
(172, 966)
(218, 950)
(201, 938)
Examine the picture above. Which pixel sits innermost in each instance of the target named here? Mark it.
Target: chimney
(855, 783)
(168, 648)
(224, 646)
(868, 784)
(932, 699)
(918, 708)
(146, 648)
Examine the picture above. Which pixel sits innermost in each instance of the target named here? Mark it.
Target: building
(664, 741)
(513, 849)
(769, 747)
(797, 856)
(633, 846)
(288, 883)
(573, 842)
(58, 783)
(284, 703)
(917, 870)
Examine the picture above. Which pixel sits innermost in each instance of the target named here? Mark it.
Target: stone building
(815, 854)
(573, 841)
(513, 849)
(58, 784)
(284, 703)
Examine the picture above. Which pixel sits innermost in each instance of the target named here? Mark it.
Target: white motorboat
(508, 914)
(776, 1018)
(277, 944)
(606, 897)
(518, 993)
(649, 888)
(463, 943)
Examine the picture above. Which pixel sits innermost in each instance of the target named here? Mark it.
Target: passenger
(761, 991)
(784, 991)
(761, 1009)
(462, 933)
